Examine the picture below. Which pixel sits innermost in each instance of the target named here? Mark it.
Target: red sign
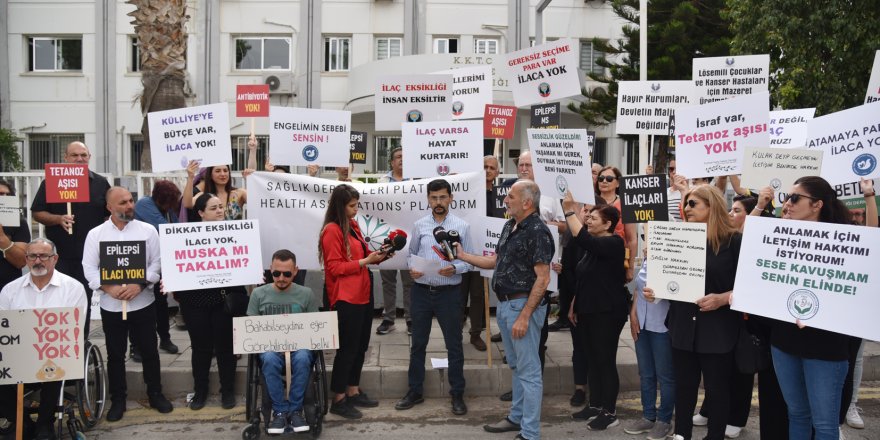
(499, 121)
(252, 101)
(67, 182)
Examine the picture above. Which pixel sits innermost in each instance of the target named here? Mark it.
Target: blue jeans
(812, 390)
(445, 304)
(654, 355)
(523, 360)
(301, 366)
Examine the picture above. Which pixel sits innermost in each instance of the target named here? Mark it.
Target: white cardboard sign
(720, 78)
(644, 107)
(561, 160)
(873, 94)
(42, 345)
(851, 142)
(710, 138)
(547, 72)
(304, 136)
(779, 168)
(822, 274)
(677, 256)
(471, 91)
(788, 128)
(412, 98)
(288, 332)
(191, 133)
(210, 254)
(10, 211)
(441, 148)
(553, 285)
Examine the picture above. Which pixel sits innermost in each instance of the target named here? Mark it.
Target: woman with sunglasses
(609, 184)
(349, 284)
(704, 333)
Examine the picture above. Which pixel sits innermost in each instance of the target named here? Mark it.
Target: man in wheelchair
(42, 287)
(283, 296)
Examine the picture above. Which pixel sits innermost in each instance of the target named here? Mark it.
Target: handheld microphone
(453, 237)
(445, 240)
(395, 241)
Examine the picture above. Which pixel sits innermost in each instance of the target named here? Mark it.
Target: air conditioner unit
(280, 83)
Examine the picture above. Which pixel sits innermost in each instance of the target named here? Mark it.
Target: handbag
(235, 301)
(751, 352)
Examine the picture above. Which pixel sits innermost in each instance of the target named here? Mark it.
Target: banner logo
(457, 108)
(544, 90)
(864, 164)
(443, 169)
(414, 116)
(561, 185)
(803, 304)
(672, 287)
(374, 229)
(310, 153)
(775, 184)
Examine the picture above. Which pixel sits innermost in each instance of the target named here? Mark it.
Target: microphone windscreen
(399, 242)
(401, 232)
(453, 236)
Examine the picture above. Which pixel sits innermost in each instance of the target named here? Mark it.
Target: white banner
(720, 78)
(471, 91)
(192, 133)
(491, 228)
(442, 148)
(677, 255)
(289, 332)
(561, 161)
(644, 107)
(851, 142)
(305, 136)
(822, 274)
(710, 139)
(778, 168)
(211, 254)
(277, 199)
(788, 128)
(41, 345)
(547, 72)
(873, 94)
(10, 211)
(412, 98)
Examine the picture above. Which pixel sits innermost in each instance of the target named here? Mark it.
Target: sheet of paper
(439, 363)
(424, 265)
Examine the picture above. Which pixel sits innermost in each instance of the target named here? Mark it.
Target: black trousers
(772, 410)
(49, 392)
(741, 387)
(545, 333)
(354, 340)
(74, 269)
(142, 326)
(210, 333)
(599, 333)
(579, 366)
(472, 288)
(715, 371)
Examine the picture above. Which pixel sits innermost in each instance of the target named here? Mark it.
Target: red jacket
(346, 280)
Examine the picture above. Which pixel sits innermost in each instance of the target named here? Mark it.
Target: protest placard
(788, 128)
(819, 273)
(499, 122)
(275, 198)
(305, 136)
(497, 208)
(553, 285)
(873, 94)
(720, 78)
(542, 73)
(643, 199)
(190, 133)
(41, 345)
(10, 211)
(123, 262)
(777, 168)
(412, 98)
(441, 148)
(67, 183)
(644, 107)
(471, 91)
(252, 100)
(710, 138)
(490, 231)
(851, 142)
(677, 256)
(289, 332)
(212, 254)
(358, 146)
(560, 159)
(545, 116)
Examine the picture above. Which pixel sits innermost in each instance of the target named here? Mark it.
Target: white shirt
(134, 230)
(551, 210)
(673, 198)
(62, 291)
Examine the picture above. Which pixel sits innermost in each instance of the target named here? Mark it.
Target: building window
(49, 148)
(388, 47)
(337, 52)
(240, 151)
(262, 53)
(446, 45)
(135, 149)
(600, 154)
(487, 46)
(135, 65)
(589, 55)
(384, 145)
(47, 54)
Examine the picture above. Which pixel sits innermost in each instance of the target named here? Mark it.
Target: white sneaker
(841, 436)
(699, 420)
(677, 437)
(732, 431)
(853, 419)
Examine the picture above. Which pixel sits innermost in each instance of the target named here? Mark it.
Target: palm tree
(160, 26)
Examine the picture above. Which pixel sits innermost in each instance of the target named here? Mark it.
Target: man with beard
(136, 299)
(437, 294)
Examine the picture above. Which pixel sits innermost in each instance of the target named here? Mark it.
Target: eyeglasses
(41, 257)
(691, 203)
(795, 197)
(608, 179)
(278, 273)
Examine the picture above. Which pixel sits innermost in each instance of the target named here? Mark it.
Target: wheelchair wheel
(251, 432)
(251, 396)
(91, 392)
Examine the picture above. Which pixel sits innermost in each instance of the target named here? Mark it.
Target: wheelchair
(258, 405)
(81, 404)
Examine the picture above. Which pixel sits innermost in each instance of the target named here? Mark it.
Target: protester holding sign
(609, 187)
(350, 292)
(218, 181)
(704, 333)
(12, 243)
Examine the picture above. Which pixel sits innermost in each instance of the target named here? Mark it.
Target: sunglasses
(691, 203)
(795, 197)
(608, 179)
(278, 273)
